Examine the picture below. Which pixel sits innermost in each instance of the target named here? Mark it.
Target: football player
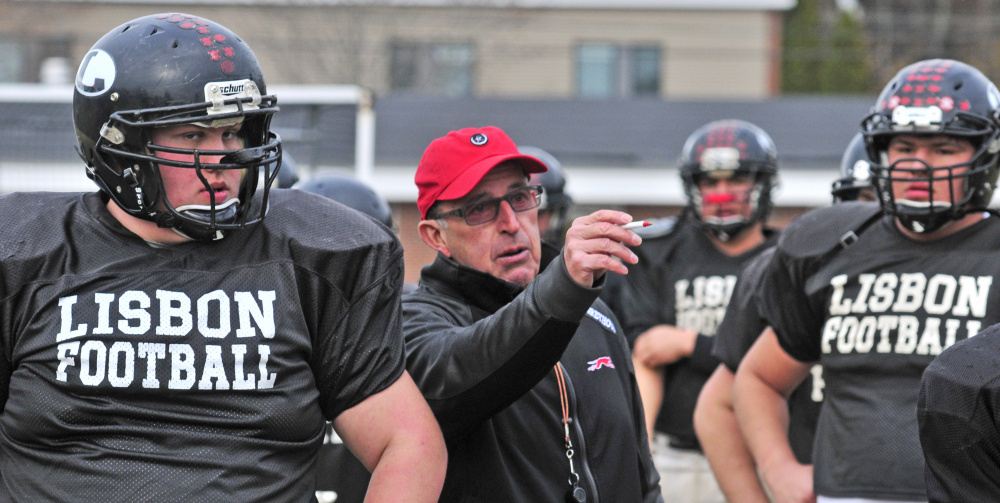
(714, 418)
(162, 340)
(875, 292)
(678, 292)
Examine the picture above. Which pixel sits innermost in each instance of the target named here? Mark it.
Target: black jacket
(482, 351)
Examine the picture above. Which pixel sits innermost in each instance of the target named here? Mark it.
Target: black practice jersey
(958, 407)
(683, 280)
(875, 314)
(740, 328)
(198, 372)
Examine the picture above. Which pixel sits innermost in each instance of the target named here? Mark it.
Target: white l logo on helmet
(96, 74)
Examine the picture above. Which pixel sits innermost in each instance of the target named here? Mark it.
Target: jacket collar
(480, 289)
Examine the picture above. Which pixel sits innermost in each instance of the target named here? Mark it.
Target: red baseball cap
(452, 165)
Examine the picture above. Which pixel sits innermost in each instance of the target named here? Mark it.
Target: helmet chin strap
(202, 213)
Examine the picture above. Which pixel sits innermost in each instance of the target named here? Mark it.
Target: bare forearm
(727, 452)
(762, 416)
(393, 433)
(650, 382)
(412, 471)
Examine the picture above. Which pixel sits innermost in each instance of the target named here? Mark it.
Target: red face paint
(725, 197)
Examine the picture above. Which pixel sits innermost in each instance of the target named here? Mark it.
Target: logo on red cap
(479, 139)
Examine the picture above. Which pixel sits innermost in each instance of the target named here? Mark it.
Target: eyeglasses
(486, 210)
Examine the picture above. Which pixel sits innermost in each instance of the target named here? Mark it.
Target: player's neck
(741, 243)
(145, 229)
(948, 229)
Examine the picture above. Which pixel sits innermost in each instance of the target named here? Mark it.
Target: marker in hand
(637, 224)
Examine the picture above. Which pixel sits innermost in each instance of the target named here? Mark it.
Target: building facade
(700, 49)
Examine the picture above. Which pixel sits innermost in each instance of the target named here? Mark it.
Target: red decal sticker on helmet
(228, 52)
(206, 41)
(203, 30)
(228, 67)
(187, 25)
(947, 103)
(214, 55)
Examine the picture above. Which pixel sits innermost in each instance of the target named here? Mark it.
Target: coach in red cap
(526, 370)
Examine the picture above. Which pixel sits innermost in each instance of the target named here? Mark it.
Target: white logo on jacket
(602, 319)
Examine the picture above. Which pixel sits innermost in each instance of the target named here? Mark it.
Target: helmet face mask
(167, 70)
(933, 98)
(733, 150)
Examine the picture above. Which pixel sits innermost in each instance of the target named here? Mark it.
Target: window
(612, 71)
(40, 60)
(432, 68)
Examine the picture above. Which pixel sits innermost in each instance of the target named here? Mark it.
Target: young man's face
(507, 247)
(911, 178)
(182, 185)
(725, 198)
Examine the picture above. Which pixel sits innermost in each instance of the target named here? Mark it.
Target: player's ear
(435, 235)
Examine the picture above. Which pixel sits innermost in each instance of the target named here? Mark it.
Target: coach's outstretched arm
(469, 373)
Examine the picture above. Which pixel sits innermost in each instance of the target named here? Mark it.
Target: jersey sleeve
(784, 304)
(359, 344)
(742, 323)
(956, 409)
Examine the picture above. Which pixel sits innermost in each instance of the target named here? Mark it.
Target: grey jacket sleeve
(470, 367)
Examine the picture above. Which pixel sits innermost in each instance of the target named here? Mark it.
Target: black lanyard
(576, 494)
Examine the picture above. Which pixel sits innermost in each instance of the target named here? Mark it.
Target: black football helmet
(554, 196)
(163, 70)
(722, 149)
(936, 97)
(855, 172)
(352, 193)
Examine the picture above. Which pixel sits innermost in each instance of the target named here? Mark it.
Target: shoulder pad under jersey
(823, 230)
(660, 227)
